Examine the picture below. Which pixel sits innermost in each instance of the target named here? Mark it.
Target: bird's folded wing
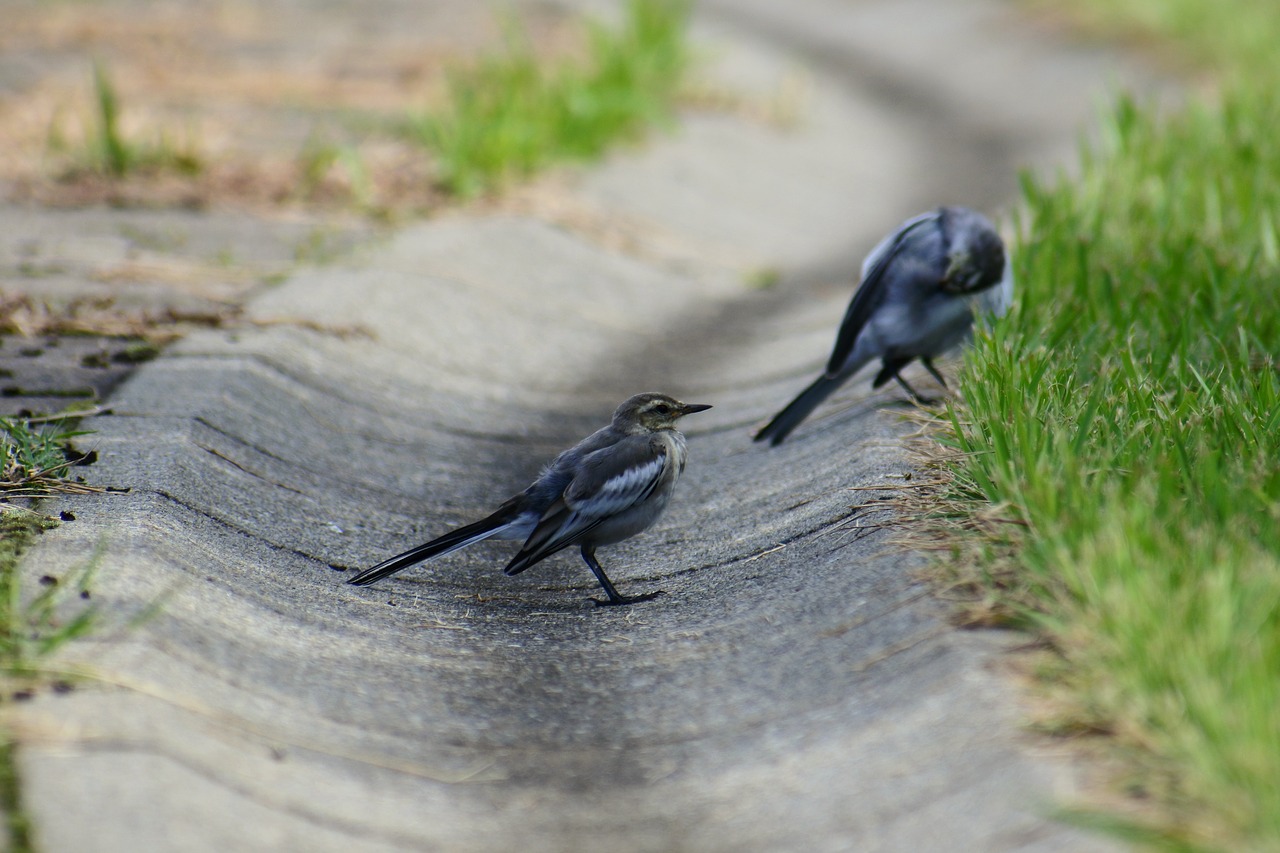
(618, 477)
(867, 299)
(605, 483)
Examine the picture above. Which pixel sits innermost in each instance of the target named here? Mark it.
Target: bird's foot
(910, 402)
(627, 599)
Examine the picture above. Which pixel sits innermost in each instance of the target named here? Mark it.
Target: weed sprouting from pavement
(110, 152)
(35, 626)
(36, 458)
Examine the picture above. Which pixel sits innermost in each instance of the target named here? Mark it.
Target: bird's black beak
(690, 408)
(950, 283)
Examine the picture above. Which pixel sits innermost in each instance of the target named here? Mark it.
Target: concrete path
(796, 689)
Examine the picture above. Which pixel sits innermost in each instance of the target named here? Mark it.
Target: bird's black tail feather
(800, 408)
(451, 541)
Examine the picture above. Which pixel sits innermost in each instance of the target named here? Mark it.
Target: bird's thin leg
(911, 392)
(928, 365)
(615, 599)
(892, 366)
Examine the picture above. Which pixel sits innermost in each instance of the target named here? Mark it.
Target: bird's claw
(627, 599)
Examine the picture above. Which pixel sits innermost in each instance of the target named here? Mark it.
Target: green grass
(1126, 416)
(110, 152)
(18, 833)
(36, 457)
(1235, 34)
(318, 158)
(35, 461)
(510, 115)
(33, 626)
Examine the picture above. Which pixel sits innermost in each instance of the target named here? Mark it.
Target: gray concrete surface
(796, 689)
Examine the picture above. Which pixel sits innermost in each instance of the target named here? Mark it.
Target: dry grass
(102, 316)
(976, 547)
(23, 315)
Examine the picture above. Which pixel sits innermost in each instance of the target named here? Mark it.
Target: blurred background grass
(510, 114)
(375, 119)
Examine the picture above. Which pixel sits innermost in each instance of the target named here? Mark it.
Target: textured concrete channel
(796, 689)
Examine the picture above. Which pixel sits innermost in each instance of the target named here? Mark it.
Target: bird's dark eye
(662, 409)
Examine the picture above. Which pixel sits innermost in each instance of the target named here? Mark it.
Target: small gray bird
(920, 288)
(606, 488)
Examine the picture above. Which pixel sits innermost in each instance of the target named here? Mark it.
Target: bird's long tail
(451, 541)
(800, 408)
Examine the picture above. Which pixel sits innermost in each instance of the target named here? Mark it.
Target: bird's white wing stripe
(617, 494)
(622, 490)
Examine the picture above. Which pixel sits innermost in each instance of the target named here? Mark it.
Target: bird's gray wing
(871, 291)
(605, 483)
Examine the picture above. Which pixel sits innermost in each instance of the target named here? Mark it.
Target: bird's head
(975, 262)
(651, 412)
